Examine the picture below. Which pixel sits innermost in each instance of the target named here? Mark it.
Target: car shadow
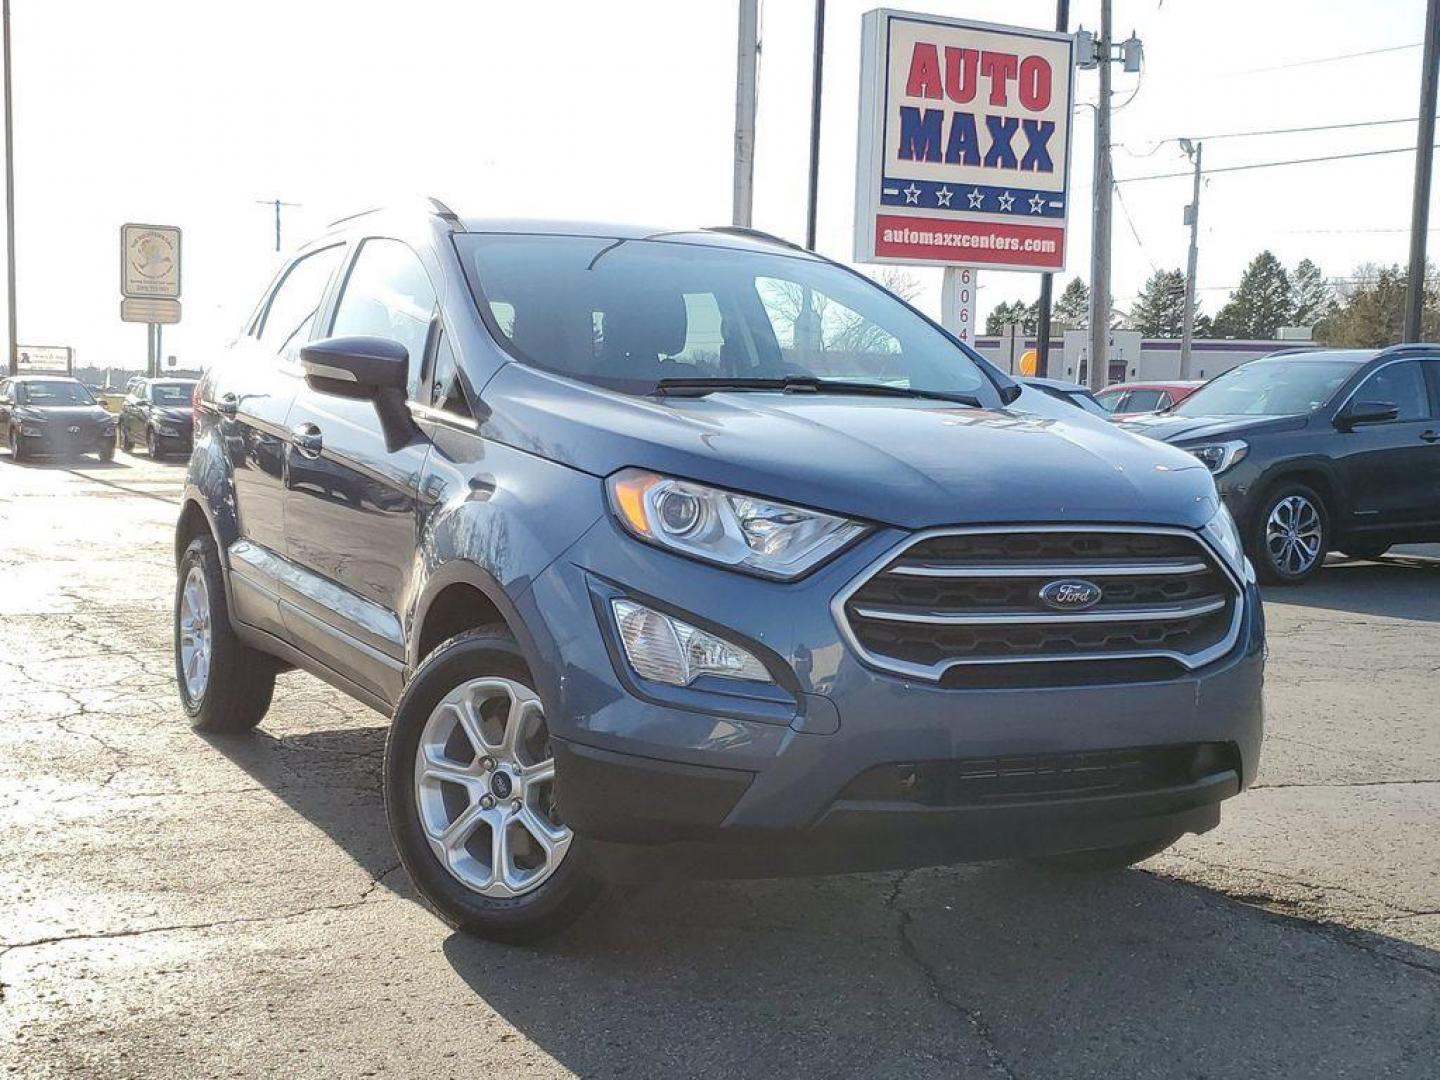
(68, 464)
(1402, 585)
(999, 969)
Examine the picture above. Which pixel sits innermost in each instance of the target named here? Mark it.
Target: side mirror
(1366, 412)
(368, 369)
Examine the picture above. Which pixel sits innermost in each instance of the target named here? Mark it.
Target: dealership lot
(171, 904)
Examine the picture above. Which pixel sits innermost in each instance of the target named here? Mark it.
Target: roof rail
(431, 205)
(1408, 347)
(754, 234)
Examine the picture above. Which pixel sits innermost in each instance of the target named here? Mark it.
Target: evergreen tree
(1261, 304)
(1159, 310)
(1073, 306)
(1017, 311)
(1311, 297)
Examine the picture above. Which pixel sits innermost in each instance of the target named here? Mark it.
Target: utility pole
(1192, 218)
(1047, 280)
(746, 65)
(14, 346)
(277, 204)
(1100, 239)
(1424, 162)
(815, 81)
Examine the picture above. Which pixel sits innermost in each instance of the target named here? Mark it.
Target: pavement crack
(1340, 784)
(938, 990)
(215, 924)
(379, 879)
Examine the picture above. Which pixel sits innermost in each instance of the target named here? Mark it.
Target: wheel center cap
(501, 785)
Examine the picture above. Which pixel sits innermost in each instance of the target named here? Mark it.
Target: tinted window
(292, 308)
(54, 393)
(1143, 401)
(446, 391)
(1269, 388)
(1402, 384)
(171, 393)
(627, 313)
(1108, 399)
(388, 294)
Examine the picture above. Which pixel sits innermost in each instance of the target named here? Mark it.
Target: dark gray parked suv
(694, 549)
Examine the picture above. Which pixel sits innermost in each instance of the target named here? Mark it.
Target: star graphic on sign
(1007, 201)
(942, 196)
(912, 194)
(977, 198)
(1037, 203)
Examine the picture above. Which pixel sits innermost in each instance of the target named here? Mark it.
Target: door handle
(308, 440)
(227, 405)
(1430, 436)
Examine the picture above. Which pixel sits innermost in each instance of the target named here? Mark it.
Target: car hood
(1174, 429)
(906, 462)
(71, 413)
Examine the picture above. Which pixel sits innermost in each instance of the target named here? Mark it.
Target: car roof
(1163, 384)
(727, 236)
(1055, 384)
(1353, 356)
(41, 377)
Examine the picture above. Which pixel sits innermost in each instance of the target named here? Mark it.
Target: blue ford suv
(695, 550)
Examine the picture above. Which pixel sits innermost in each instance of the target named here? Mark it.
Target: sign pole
(1047, 280)
(1424, 159)
(12, 341)
(957, 302)
(746, 71)
(817, 76)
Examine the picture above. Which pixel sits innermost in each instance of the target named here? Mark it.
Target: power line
(1330, 59)
(1271, 131)
(1125, 211)
(1270, 164)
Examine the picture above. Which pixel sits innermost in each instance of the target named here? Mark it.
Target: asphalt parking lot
(177, 905)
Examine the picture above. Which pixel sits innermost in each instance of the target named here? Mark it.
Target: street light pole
(1047, 280)
(815, 81)
(1424, 162)
(277, 204)
(13, 344)
(1192, 214)
(746, 64)
(1100, 241)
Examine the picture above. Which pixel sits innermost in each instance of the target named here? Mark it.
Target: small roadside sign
(149, 261)
(150, 310)
(43, 359)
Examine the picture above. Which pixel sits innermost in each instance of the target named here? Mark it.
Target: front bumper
(749, 770)
(58, 439)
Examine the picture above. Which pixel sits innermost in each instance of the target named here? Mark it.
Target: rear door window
(1142, 401)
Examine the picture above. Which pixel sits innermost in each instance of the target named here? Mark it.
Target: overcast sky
(185, 113)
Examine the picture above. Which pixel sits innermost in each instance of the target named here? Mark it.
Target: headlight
(1220, 456)
(670, 651)
(763, 537)
(1224, 534)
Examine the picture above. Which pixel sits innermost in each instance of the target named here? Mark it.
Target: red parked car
(1124, 400)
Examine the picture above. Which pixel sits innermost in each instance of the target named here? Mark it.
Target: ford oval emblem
(1070, 594)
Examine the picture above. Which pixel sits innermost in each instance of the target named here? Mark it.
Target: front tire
(18, 452)
(1291, 535)
(470, 795)
(106, 452)
(1105, 860)
(152, 443)
(225, 686)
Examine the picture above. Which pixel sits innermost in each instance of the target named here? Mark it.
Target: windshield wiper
(807, 384)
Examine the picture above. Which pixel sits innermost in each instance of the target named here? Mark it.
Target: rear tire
(152, 443)
(450, 757)
(107, 452)
(1291, 535)
(224, 684)
(1105, 860)
(18, 452)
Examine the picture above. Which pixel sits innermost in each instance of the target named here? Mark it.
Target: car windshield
(41, 394)
(626, 314)
(171, 393)
(1268, 388)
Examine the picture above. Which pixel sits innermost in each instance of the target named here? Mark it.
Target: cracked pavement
(179, 905)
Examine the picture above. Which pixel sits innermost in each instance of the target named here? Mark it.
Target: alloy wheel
(195, 633)
(485, 788)
(1293, 534)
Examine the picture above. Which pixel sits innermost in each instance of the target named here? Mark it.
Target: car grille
(972, 598)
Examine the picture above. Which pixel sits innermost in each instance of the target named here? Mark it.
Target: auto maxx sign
(964, 143)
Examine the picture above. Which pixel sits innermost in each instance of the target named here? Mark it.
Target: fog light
(667, 650)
